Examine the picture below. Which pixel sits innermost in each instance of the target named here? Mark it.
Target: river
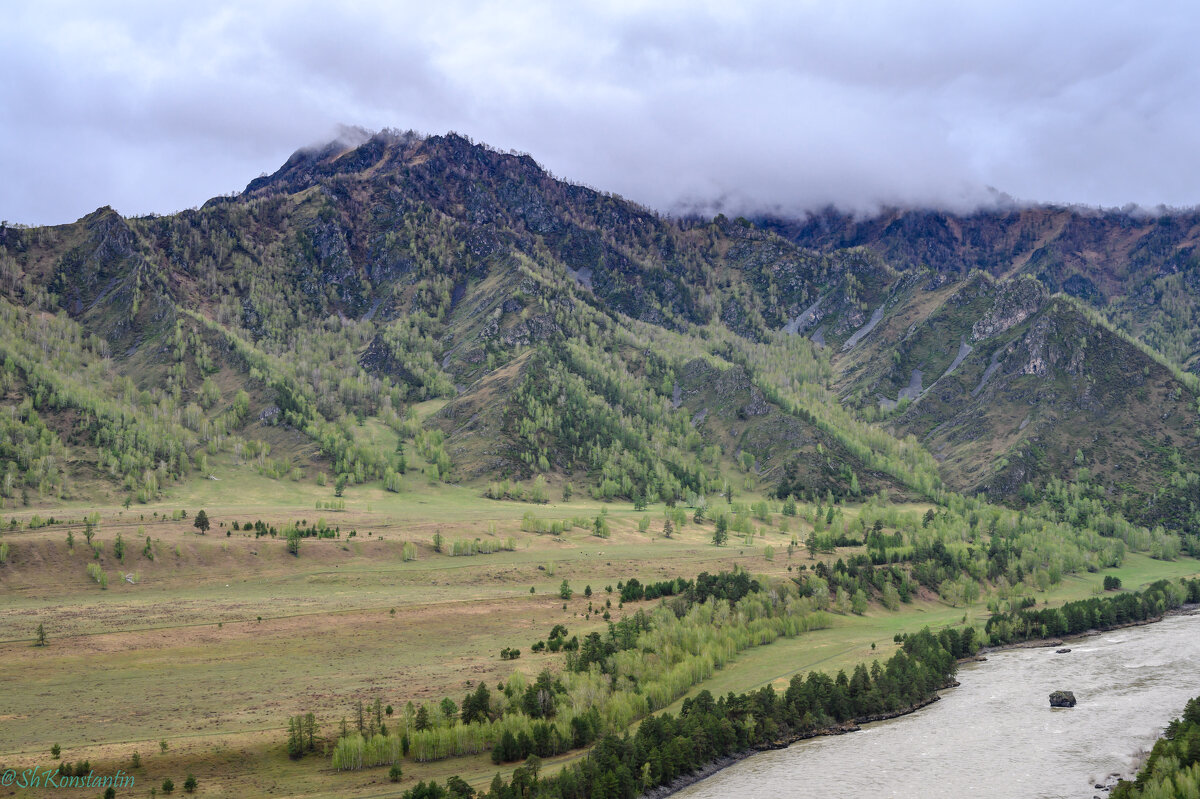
(996, 735)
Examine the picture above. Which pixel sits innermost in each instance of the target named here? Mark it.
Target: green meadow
(216, 639)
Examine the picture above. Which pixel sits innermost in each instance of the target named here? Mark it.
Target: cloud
(156, 107)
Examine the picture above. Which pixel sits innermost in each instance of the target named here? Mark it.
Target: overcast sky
(157, 106)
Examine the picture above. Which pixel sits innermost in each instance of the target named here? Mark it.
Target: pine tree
(721, 531)
(295, 740)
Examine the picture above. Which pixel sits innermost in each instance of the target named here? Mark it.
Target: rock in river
(1062, 699)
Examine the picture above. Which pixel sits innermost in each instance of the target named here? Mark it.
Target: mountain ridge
(670, 358)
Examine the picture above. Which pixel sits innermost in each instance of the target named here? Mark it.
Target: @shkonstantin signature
(54, 778)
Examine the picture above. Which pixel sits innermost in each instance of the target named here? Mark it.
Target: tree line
(642, 664)
(666, 746)
(1096, 613)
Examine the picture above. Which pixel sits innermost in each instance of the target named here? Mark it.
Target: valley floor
(219, 638)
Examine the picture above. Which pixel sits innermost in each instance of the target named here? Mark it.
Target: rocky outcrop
(1016, 301)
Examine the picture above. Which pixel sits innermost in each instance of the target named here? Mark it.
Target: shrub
(97, 574)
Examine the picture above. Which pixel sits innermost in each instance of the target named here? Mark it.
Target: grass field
(221, 637)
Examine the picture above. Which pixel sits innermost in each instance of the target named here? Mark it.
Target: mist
(761, 107)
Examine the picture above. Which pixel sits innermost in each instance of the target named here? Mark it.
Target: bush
(97, 574)
(395, 773)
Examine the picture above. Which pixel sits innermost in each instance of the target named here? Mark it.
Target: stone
(1062, 699)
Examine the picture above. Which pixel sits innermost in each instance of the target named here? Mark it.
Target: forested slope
(431, 301)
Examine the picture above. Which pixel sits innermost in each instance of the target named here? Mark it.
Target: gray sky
(157, 106)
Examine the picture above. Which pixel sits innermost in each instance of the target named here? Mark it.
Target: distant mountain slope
(356, 282)
(1141, 269)
(431, 302)
(966, 345)
(1007, 385)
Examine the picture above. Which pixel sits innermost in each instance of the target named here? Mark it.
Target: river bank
(1190, 609)
(721, 765)
(703, 773)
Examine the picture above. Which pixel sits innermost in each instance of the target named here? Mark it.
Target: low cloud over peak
(758, 107)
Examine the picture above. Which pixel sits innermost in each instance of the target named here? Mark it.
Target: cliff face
(1015, 301)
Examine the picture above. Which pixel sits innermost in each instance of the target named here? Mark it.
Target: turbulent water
(996, 734)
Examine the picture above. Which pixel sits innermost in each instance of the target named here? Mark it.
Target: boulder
(1062, 651)
(1062, 699)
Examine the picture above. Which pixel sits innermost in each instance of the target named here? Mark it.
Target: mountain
(428, 301)
(303, 323)
(1142, 269)
(1025, 346)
